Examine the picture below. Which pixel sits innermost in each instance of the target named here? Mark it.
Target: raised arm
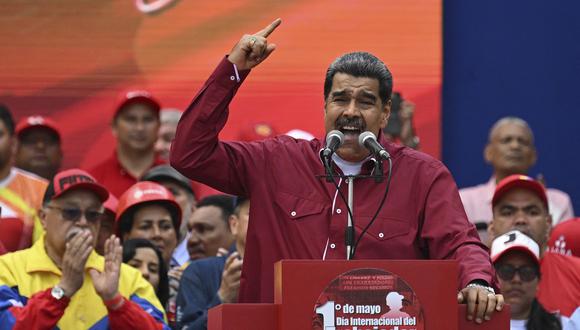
(196, 151)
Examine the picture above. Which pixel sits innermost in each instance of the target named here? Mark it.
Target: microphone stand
(378, 176)
(328, 168)
(349, 233)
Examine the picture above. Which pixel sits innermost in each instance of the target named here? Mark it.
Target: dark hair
(361, 64)
(6, 117)
(125, 222)
(130, 249)
(223, 202)
(541, 319)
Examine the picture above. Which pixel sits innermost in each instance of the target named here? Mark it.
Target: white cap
(514, 240)
(300, 134)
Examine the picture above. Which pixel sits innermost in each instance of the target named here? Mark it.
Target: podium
(314, 294)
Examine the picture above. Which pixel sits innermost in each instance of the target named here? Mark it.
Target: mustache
(357, 122)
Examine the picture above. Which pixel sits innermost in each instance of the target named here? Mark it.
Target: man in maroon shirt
(135, 126)
(299, 215)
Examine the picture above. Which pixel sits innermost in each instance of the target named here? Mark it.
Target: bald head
(510, 149)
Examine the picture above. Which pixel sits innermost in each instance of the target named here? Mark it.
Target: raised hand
(222, 252)
(230, 285)
(106, 283)
(77, 251)
(253, 49)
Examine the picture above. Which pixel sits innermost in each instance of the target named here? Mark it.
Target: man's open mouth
(350, 130)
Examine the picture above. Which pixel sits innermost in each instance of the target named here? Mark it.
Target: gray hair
(510, 120)
(170, 116)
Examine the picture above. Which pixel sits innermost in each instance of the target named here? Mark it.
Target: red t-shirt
(114, 176)
(559, 288)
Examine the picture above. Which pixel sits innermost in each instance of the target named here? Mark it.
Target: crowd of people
(156, 234)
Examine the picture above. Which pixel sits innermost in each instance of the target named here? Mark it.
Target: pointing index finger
(269, 29)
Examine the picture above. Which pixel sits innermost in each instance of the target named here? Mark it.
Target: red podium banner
(357, 295)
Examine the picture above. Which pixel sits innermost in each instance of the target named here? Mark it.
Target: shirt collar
(156, 161)
(490, 189)
(39, 261)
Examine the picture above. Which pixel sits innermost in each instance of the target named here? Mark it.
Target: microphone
(369, 140)
(334, 140)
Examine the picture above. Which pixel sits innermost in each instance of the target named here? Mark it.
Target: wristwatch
(57, 292)
(485, 287)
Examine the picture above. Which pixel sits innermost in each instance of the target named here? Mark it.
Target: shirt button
(381, 235)
(332, 246)
(232, 78)
(293, 213)
(338, 211)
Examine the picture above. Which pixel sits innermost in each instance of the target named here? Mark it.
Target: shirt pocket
(298, 208)
(383, 228)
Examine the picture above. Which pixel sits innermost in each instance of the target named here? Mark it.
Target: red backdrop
(69, 59)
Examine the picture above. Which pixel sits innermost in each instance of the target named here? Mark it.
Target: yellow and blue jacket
(27, 276)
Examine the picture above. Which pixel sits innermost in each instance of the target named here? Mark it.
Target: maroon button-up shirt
(296, 215)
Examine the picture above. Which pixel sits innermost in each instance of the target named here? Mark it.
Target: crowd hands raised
(94, 231)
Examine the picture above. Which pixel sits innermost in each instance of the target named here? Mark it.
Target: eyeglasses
(74, 214)
(507, 272)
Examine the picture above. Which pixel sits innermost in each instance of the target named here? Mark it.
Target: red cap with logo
(38, 121)
(565, 238)
(519, 181)
(137, 96)
(71, 180)
(146, 192)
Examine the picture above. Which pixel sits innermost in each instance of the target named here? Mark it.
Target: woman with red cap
(148, 210)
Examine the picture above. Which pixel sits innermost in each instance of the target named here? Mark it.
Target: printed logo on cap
(35, 120)
(70, 180)
(138, 194)
(133, 94)
(560, 247)
(514, 239)
(263, 130)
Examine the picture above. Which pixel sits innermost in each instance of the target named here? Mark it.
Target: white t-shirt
(518, 324)
(348, 168)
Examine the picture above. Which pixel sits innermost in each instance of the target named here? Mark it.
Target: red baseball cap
(73, 179)
(111, 204)
(514, 240)
(30, 122)
(256, 131)
(137, 96)
(565, 238)
(519, 181)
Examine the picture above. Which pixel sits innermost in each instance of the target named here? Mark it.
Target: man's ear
(549, 222)
(490, 234)
(42, 217)
(534, 156)
(233, 222)
(386, 113)
(114, 127)
(488, 153)
(14, 146)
